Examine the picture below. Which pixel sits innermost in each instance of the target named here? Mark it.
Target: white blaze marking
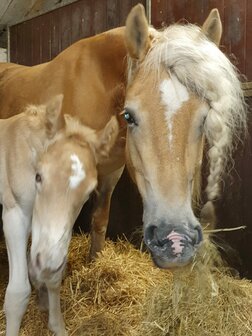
(77, 170)
(173, 95)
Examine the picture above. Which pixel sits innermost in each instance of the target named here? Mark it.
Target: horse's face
(66, 176)
(164, 152)
(180, 87)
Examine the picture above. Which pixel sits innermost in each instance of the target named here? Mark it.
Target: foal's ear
(212, 27)
(137, 34)
(53, 117)
(106, 138)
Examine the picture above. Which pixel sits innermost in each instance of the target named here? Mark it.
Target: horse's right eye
(38, 178)
(129, 117)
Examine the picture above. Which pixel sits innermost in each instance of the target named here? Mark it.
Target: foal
(48, 162)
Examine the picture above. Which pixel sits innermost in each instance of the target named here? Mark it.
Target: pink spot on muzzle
(177, 242)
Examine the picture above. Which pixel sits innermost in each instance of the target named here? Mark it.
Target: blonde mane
(199, 64)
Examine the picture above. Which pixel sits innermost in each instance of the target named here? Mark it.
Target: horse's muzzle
(172, 246)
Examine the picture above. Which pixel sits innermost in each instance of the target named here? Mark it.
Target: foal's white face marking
(77, 170)
(173, 95)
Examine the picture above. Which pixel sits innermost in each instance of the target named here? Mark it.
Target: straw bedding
(123, 294)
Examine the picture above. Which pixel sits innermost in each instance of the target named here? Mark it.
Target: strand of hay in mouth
(122, 294)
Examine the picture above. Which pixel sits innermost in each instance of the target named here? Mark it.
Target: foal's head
(66, 175)
(181, 88)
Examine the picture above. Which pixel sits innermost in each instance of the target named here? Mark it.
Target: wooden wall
(40, 39)
(236, 16)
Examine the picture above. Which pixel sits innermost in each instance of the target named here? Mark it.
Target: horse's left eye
(129, 118)
(38, 178)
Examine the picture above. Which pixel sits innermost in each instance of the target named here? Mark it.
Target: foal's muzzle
(172, 245)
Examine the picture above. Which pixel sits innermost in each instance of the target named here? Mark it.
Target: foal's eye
(128, 116)
(38, 178)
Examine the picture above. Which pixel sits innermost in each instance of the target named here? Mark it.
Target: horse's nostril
(150, 234)
(199, 235)
(38, 261)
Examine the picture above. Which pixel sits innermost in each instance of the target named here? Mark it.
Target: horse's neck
(91, 75)
(101, 57)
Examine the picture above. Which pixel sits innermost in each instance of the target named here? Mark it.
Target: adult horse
(180, 89)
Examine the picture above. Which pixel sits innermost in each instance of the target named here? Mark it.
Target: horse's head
(66, 175)
(181, 88)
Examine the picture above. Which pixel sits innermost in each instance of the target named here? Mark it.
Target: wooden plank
(123, 10)
(77, 21)
(20, 45)
(247, 85)
(99, 16)
(87, 24)
(247, 89)
(135, 2)
(45, 31)
(193, 11)
(36, 41)
(246, 201)
(27, 51)
(81, 20)
(207, 6)
(165, 12)
(159, 13)
(248, 42)
(13, 44)
(178, 11)
(113, 19)
(234, 28)
(65, 26)
(55, 34)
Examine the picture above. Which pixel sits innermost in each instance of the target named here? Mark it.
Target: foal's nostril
(38, 261)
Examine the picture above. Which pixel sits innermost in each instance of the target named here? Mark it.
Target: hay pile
(123, 294)
(204, 300)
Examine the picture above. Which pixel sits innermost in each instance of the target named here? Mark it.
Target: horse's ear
(136, 33)
(53, 117)
(212, 27)
(106, 138)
